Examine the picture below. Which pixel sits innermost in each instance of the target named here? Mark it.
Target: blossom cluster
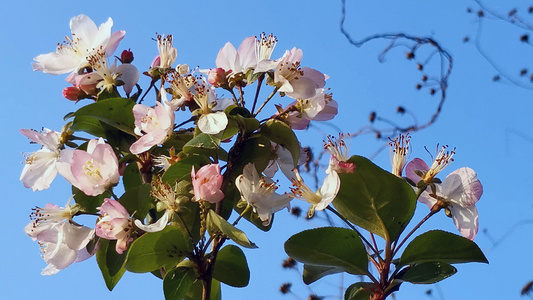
(191, 158)
(96, 166)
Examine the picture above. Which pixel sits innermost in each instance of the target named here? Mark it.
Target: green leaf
(116, 112)
(217, 223)
(131, 177)
(280, 133)
(441, 246)
(89, 203)
(195, 292)
(137, 200)
(177, 282)
(427, 273)
(359, 291)
(204, 144)
(231, 267)
(313, 273)
(257, 150)
(157, 249)
(111, 263)
(329, 247)
(182, 169)
(375, 200)
(90, 125)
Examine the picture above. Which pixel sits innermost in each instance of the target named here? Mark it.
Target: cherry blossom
(86, 39)
(40, 166)
(168, 200)
(425, 173)
(154, 125)
(295, 81)
(320, 199)
(92, 171)
(207, 182)
(115, 224)
(105, 76)
(458, 193)
(62, 242)
(260, 193)
(340, 154)
(167, 53)
(399, 150)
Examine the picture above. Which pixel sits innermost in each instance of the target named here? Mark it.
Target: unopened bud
(372, 117)
(73, 93)
(126, 57)
(285, 288)
(217, 77)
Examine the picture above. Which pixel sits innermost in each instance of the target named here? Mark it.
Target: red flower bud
(126, 57)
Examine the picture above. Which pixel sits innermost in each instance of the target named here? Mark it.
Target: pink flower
(154, 125)
(92, 171)
(115, 224)
(207, 182)
(425, 173)
(340, 154)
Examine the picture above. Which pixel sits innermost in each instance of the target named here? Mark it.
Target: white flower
(238, 61)
(294, 81)
(284, 159)
(105, 76)
(260, 193)
(211, 121)
(86, 38)
(320, 107)
(40, 167)
(61, 241)
(459, 192)
(320, 199)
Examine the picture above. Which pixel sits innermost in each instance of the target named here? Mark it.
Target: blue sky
(488, 123)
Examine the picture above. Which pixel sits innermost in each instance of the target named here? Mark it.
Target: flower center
(91, 170)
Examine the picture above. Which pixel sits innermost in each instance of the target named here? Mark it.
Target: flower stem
(259, 82)
(354, 229)
(266, 101)
(396, 248)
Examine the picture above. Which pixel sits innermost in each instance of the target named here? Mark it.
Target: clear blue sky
(488, 122)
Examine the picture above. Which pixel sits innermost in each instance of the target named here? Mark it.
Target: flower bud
(217, 77)
(73, 93)
(126, 57)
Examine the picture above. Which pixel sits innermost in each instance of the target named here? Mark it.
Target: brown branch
(414, 43)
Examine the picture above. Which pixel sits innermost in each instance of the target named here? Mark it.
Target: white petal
(157, 226)
(329, 190)
(466, 219)
(130, 75)
(38, 174)
(226, 57)
(213, 123)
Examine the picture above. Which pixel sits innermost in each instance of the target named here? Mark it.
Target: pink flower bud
(217, 77)
(73, 93)
(126, 57)
(207, 182)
